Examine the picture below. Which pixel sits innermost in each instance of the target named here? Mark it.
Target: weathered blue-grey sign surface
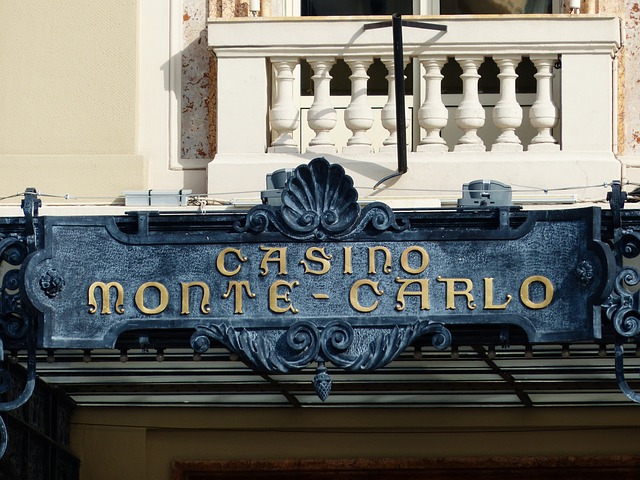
(319, 263)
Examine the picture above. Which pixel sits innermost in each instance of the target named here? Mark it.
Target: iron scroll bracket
(620, 377)
(396, 24)
(17, 324)
(622, 305)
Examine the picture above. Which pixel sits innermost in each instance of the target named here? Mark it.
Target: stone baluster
(358, 116)
(543, 113)
(507, 114)
(388, 114)
(470, 114)
(284, 117)
(433, 115)
(322, 117)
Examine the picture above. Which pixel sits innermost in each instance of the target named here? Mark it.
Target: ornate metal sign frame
(320, 280)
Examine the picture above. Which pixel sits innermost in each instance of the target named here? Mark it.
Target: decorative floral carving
(278, 351)
(585, 273)
(52, 283)
(322, 382)
(320, 202)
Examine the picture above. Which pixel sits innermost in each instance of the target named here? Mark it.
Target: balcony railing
(570, 106)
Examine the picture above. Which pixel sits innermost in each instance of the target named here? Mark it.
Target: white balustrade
(544, 113)
(284, 115)
(442, 122)
(433, 115)
(358, 117)
(322, 117)
(388, 114)
(470, 115)
(507, 114)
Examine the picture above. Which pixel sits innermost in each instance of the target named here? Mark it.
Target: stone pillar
(507, 114)
(358, 116)
(322, 117)
(284, 116)
(470, 115)
(433, 115)
(544, 113)
(388, 114)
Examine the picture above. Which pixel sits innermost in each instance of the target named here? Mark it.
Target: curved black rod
(23, 397)
(622, 381)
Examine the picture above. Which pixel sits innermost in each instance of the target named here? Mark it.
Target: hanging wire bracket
(396, 24)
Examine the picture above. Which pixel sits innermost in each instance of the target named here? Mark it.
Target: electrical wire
(211, 197)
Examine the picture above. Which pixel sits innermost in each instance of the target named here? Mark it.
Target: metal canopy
(547, 375)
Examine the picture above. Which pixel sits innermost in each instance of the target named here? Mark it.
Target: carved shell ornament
(320, 195)
(320, 202)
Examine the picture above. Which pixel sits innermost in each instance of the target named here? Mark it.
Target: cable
(212, 196)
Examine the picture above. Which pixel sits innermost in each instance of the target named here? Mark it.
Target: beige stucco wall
(141, 443)
(68, 96)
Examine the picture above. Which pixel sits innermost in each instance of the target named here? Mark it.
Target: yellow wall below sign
(141, 443)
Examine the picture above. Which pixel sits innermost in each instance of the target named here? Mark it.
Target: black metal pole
(398, 72)
(398, 68)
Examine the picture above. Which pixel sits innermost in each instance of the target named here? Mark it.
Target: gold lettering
(353, 295)
(274, 296)
(280, 259)
(164, 298)
(424, 260)
(238, 288)
(348, 269)
(423, 293)
(548, 292)
(105, 288)
(452, 292)
(204, 305)
(220, 261)
(488, 296)
(372, 259)
(323, 260)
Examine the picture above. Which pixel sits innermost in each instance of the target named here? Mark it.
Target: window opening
(487, 7)
(355, 7)
(341, 85)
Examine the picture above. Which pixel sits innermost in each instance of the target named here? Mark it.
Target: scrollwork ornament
(622, 305)
(302, 342)
(351, 348)
(336, 339)
(629, 245)
(320, 202)
(12, 250)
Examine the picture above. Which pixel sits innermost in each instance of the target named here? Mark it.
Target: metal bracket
(17, 323)
(622, 304)
(396, 24)
(620, 378)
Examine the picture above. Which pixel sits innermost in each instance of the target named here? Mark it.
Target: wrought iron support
(26, 393)
(622, 305)
(16, 323)
(620, 377)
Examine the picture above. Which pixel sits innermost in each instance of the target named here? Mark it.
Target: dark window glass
(489, 81)
(341, 85)
(466, 7)
(355, 7)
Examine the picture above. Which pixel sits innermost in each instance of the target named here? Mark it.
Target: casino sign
(321, 280)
